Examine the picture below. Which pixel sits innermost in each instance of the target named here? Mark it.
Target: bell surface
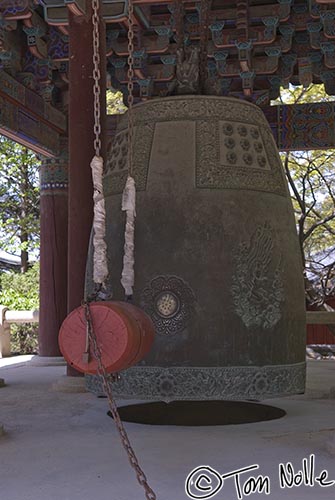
(217, 262)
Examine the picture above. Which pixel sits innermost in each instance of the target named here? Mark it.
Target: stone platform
(61, 445)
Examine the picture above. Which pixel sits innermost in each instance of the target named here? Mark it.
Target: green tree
(312, 186)
(19, 199)
(303, 95)
(115, 105)
(21, 292)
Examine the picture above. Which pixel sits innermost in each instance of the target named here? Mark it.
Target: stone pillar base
(70, 384)
(2, 382)
(47, 361)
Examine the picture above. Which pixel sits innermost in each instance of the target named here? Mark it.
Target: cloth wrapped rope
(129, 206)
(100, 267)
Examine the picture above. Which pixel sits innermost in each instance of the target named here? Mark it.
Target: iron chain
(205, 6)
(130, 84)
(178, 12)
(141, 477)
(93, 342)
(96, 76)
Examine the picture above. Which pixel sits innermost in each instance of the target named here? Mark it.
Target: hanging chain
(205, 6)
(96, 76)
(130, 84)
(92, 342)
(141, 477)
(179, 22)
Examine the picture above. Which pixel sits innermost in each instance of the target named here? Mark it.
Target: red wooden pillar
(81, 137)
(53, 253)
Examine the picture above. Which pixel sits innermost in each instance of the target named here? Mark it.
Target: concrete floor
(63, 446)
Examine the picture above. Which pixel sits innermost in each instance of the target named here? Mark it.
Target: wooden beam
(26, 118)
(320, 318)
(302, 127)
(318, 131)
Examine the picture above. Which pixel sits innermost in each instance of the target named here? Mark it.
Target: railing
(8, 317)
(320, 317)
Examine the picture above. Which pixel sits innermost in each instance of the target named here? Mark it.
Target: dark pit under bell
(199, 413)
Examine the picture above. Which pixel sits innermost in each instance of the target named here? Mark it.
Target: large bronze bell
(217, 265)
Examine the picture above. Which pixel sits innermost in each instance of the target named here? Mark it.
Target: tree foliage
(115, 105)
(21, 292)
(19, 199)
(312, 185)
(303, 95)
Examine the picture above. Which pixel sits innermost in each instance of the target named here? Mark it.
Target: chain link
(105, 377)
(92, 339)
(178, 13)
(130, 84)
(96, 76)
(205, 6)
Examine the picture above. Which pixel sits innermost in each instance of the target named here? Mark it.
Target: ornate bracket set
(251, 49)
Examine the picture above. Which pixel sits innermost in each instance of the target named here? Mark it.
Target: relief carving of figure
(257, 289)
